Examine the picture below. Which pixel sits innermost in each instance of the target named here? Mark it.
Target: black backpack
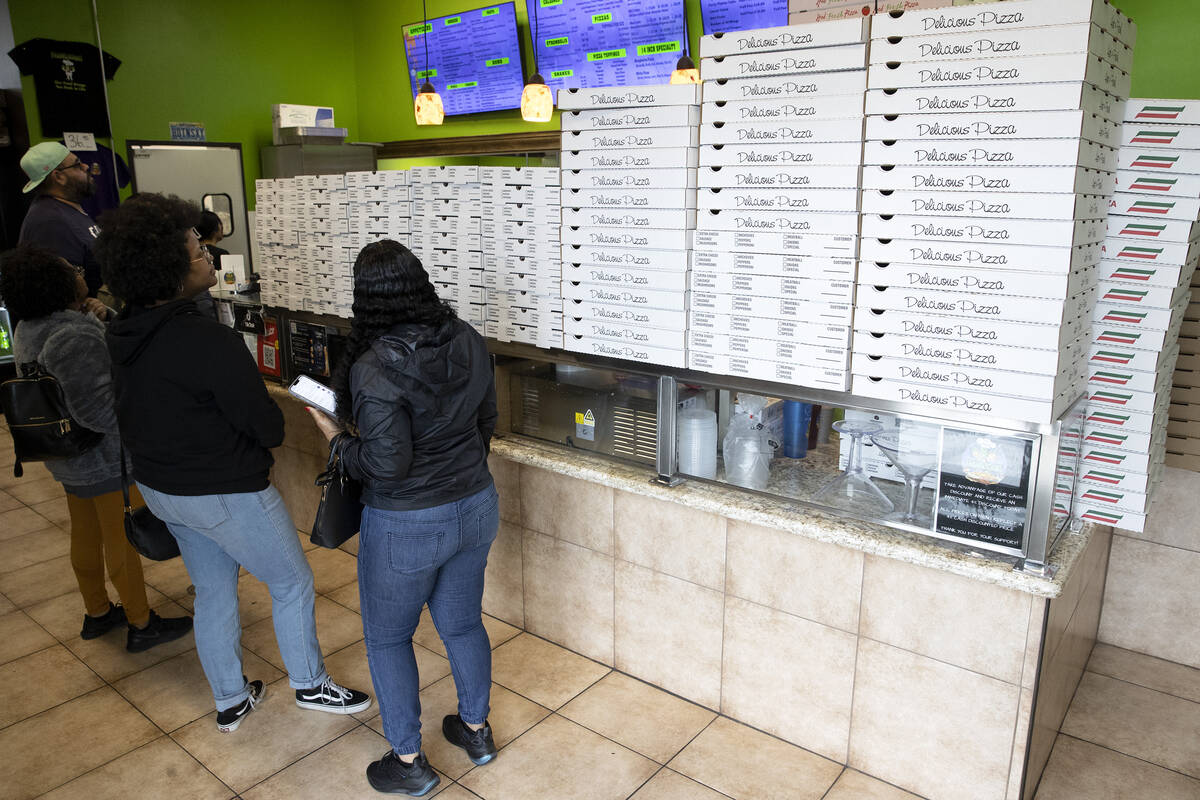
(39, 421)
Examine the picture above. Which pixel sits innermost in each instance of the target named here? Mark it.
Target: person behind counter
(211, 233)
(415, 391)
(199, 426)
(63, 332)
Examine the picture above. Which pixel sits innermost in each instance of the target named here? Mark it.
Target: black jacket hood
(426, 363)
(135, 327)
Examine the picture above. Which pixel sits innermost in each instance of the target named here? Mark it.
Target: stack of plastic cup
(697, 442)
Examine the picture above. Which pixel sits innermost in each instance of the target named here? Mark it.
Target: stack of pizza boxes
(628, 216)
(1144, 290)
(446, 235)
(991, 142)
(772, 284)
(379, 206)
(806, 11)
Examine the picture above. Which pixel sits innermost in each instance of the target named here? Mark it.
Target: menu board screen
(474, 59)
(725, 16)
(585, 43)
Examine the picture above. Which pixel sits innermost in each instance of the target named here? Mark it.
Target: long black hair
(390, 287)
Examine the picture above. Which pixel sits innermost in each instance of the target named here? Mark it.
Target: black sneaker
(95, 627)
(159, 630)
(479, 744)
(390, 775)
(333, 699)
(229, 719)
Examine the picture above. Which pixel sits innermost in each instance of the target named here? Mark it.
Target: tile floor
(88, 720)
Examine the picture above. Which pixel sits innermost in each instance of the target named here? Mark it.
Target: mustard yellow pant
(98, 541)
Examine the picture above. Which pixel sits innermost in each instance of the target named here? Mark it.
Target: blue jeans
(216, 534)
(405, 560)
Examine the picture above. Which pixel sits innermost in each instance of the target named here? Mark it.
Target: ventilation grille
(635, 433)
(531, 405)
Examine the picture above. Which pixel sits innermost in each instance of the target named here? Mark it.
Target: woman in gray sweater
(61, 329)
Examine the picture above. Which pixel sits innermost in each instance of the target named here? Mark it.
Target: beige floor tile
(853, 785)
(277, 734)
(1153, 673)
(426, 635)
(349, 667)
(39, 582)
(503, 581)
(456, 792)
(49, 677)
(337, 627)
(21, 520)
(6, 605)
(169, 577)
(1139, 722)
(668, 785)
(332, 569)
(569, 595)
(55, 510)
(1080, 770)
(33, 548)
(768, 769)
(38, 491)
(109, 658)
(545, 673)
(33, 471)
(20, 636)
(7, 501)
(350, 546)
(346, 596)
(47, 750)
(559, 759)
(62, 616)
(175, 692)
(151, 772)
(644, 719)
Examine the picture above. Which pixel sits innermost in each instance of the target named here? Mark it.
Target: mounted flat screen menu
(474, 59)
(585, 43)
(726, 16)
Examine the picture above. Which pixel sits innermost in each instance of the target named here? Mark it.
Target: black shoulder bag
(340, 512)
(148, 534)
(39, 420)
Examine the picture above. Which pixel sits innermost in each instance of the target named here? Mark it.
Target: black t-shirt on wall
(66, 76)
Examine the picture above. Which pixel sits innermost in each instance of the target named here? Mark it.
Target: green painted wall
(1163, 60)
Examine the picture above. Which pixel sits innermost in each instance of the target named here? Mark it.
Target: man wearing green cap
(56, 220)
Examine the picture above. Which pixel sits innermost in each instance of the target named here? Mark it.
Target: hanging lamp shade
(428, 106)
(537, 101)
(685, 71)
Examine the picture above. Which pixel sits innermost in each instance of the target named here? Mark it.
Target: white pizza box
(1159, 161)
(448, 239)
(974, 306)
(629, 219)
(625, 296)
(640, 279)
(422, 225)
(1124, 400)
(772, 132)
(1149, 252)
(521, 229)
(531, 248)
(531, 317)
(517, 263)
(628, 199)
(514, 299)
(626, 351)
(1169, 275)
(1049, 180)
(777, 307)
(528, 176)
(795, 37)
(460, 173)
(1146, 205)
(1012, 359)
(827, 223)
(785, 62)
(524, 194)
(651, 239)
(625, 118)
(994, 17)
(1094, 513)
(813, 84)
(627, 258)
(959, 329)
(980, 256)
(630, 334)
(1103, 456)
(1097, 500)
(840, 106)
(1114, 377)
(1151, 229)
(1143, 182)
(955, 377)
(1122, 335)
(751, 263)
(682, 136)
(846, 176)
(782, 156)
(1153, 134)
(628, 96)
(995, 125)
(1101, 355)
(1058, 96)
(786, 243)
(996, 153)
(641, 158)
(535, 335)
(1048, 233)
(772, 286)
(1000, 72)
(788, 330)
(797, 352)
(1114, 478)
(1110, 410)
(930, 400)
(1173, 112)
(986, 205)
(1141, 295)
(778, 200)
(662, 178)
(1049, 285)
(796, 374)
(441, 274)
(666, 319)
(1077, 37)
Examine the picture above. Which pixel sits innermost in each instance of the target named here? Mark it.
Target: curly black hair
(34, 282)
(209, 224)
(142, 247)
(390, 287)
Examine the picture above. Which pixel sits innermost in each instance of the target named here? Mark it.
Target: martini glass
(854, 488)
(914, 456)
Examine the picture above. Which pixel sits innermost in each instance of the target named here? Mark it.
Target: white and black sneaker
(229, 719)
(334, 699)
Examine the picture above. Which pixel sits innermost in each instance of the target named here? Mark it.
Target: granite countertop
(779, 513)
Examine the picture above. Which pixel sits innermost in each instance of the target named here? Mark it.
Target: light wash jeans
(216, 534)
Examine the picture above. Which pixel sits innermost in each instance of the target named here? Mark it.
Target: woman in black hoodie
(416, 395)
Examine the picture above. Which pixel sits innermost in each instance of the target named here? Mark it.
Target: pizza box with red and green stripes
(1153, 134)
(1095, 513)
(1153, 229)
(1102, 456)
(1122, 501)
(1163, 319)
(993, 19)
(1159, 161)
(1126, 379)
(1113, 356)
(1152, 111)
(988, 205)
(1118, 479)
(1132, 251)
(1108, 334)
(974, 125)
(1143, 181)
(1186, 209)
(1142, 296)
(1142, 407)
(1123, 441)
(1105, 410)
(1146, 274)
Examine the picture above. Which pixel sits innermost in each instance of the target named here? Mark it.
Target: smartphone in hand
(315, 394)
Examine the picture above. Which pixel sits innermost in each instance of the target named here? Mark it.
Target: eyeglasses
(205, 254)
(78, 164)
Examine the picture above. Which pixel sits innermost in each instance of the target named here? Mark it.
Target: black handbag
(340, 512)
(148, 534)
(39, 420)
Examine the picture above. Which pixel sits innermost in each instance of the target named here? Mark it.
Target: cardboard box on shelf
(625, 296)
(1140, 295)
(846, 176)
(1152, 228)
(783, 38)
(1101, 355)
(835, 358)
(1057, 286)
(1178, 208)
(1077, 37)
(1159, 161)
(1144, 182)
(1000, 72)
(650, 238)
(777, 307)
(827, 223)
(775, 132)
(1056, 180)
(621, 219)
(797, 331)
(967, 354)
(1118, 479)
(959, 376)
(1123, 441)
(662, 178)
(1064, 233)
(782, 156)
(1174, 112)
(1065, 96)
(816, 290)
(813, 84)
(630, 334)
(627, 96)
(957, 329)
(1152, 252)
(625, 351)
(754, 263)
(618, 258)
(972, 306)
(931, 400)
(785, 62)
(641, 279)
(628, 199)
(621, 139)
(778, 200)
(995, 125)
(1113, 377)
(649, 117)
(639, 159)
(1012, 153)
(1130, 336)
(992, 17)
(840, 106)
(1124, 520)
(602, 311)
(767, 370)
(837, 12)
(1141, 406)
(989, 205)
(980, 256)
(1150, 135)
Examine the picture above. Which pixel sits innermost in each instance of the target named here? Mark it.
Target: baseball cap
(40, 160)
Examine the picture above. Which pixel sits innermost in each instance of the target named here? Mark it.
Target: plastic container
(795, 428)
(696, 441)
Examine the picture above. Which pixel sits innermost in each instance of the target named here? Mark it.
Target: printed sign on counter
(983, 487)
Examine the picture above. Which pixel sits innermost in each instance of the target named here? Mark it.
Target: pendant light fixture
(537, 101)
(427, 108)
(685, 71)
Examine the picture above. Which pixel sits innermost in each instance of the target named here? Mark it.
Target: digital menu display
(474, 59)
(726, 16)
(585, 43)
